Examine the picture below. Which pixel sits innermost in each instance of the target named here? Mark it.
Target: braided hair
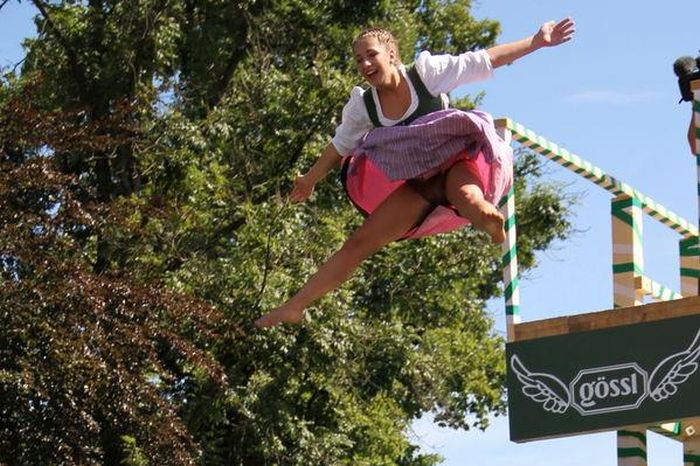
(383, 36)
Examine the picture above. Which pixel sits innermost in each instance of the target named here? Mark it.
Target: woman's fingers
(566, 28)
(558, 33)
(301, 191)
(566, 22)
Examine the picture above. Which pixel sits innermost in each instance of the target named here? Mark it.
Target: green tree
(145, 151)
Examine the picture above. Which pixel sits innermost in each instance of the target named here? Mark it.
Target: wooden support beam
(608, 318)
(502, 122)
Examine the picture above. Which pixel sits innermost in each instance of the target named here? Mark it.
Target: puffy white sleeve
(355, 123)
(444, 73)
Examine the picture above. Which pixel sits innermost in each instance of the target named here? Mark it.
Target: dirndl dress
(420, 154)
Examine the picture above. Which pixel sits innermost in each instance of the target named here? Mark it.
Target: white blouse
(440, 74)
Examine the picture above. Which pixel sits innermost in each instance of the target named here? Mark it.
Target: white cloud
(613, 97)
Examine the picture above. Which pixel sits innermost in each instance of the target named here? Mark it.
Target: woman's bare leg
(463, 191)
(389, 222)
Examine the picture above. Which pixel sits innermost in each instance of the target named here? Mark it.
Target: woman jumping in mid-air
(411, 165)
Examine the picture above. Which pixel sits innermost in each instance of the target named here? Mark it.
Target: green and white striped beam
(657, 290)
(594, 174)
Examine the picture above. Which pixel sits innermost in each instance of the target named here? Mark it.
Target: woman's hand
(304, 184)
(303, 188)
(551, 34)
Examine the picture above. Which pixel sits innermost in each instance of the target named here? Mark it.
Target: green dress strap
(371, 108)
(427, 103)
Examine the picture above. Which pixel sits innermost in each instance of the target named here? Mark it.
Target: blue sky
(609, 96)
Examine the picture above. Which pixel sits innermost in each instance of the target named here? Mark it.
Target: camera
(687, 69)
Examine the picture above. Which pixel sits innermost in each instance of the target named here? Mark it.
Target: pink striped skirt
(367, 187)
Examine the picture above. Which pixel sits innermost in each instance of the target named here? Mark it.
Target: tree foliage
(145, 151)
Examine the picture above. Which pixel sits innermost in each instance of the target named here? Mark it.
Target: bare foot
(491, 222)
(279, 315)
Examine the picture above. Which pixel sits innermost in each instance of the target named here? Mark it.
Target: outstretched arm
(549, 35)
(304, 185)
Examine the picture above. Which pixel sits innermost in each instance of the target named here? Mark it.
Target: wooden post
(628, 258)
(628, 265)
(689, 253)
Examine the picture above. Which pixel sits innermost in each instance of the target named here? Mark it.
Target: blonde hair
(383, 37)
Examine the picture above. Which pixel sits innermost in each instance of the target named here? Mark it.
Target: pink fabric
(367, 185)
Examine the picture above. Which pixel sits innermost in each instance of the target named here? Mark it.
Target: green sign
(604, 379)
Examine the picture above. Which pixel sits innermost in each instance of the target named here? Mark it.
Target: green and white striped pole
(691, 452)
(628, 257)
(695, 87)
(628, 264)
(690, 265)
(511, 289)
(689, 247)
(631, 447)
(510, 267)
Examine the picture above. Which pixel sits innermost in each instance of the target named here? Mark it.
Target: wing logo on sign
(545, 389)
(673, 371)
(608, 389)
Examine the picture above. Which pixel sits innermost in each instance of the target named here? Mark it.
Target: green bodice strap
(427, 103)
